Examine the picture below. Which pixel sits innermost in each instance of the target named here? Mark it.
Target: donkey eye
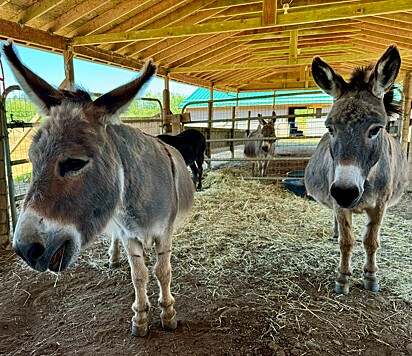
(374, 132)
(71, 165)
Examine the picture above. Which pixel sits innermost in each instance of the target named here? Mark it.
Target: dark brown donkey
(92, 174)
(358, 167)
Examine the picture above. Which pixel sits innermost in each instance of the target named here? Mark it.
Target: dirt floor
(253, 274)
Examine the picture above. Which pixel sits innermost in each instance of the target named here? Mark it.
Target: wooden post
(232, 132)
(407, 98)
(209, 127)
(407, 103)
(249, 114)
(68, 68)
(4, 210)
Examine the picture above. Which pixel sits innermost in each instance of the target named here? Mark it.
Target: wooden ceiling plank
(390, 36)
(37, 9)
(312, 50)
(191, 46)
(335, 12)
(121, 9)
(73, 15)
(386, 30)
(188, 15)
(222, 4)
(207, 55)
(390, 23)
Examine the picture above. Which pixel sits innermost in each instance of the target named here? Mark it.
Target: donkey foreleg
(114, 252)
(371, 245)
(163, 273)
(140, 276)
(346, 242)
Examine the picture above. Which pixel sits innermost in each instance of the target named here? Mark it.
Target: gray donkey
(91, 175)
(358, 167)
(263, 147)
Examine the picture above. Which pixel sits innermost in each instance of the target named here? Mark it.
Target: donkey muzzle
(44, 244)
(347, 188)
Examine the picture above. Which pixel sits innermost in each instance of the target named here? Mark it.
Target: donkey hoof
(341, 288)
(370, 285)
(114, 265)
(170, 324)
(140, 330)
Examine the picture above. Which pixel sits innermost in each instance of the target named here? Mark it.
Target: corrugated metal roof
(283, 97)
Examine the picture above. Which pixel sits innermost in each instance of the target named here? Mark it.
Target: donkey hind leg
(140, 276)
(371, 245)
(114, 252)
(163, 273)
(346, 242)
(195, 172)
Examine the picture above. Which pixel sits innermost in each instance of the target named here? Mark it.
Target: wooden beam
(269, 12)
(179, 31)
(279, 63)
(29, 35)
(68, 68)
(37, 9)
(293, 47)
(321, 14)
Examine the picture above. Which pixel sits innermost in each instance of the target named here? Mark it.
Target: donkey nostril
(35, 251)
(265, 148)
(344, 196)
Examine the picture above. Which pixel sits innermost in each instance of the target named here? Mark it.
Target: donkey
(357, 166)
(91, 175)
(191, 144)
(263, 147)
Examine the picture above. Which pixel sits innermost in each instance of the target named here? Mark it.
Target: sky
(93, 77)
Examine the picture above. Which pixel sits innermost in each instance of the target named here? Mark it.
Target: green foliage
(143, 108)
(26, 177)
(19, 108)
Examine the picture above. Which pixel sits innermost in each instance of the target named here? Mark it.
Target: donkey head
(356, 121)
(267, 132)
(77, 176)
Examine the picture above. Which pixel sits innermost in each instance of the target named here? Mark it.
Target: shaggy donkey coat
(91, 175)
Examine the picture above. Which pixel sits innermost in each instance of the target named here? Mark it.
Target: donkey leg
(163, 273)
(371, 245)
(199, 163)
(335, 230)
(114, 252)
(140, 276)
(346, 242)
(194, 173)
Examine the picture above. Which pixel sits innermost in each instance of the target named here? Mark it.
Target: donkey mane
(79, 96)
(360, 80)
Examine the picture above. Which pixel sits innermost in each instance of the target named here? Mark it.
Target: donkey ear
(263, 121)
(116, 101)
(385, 72)
(42, 94)
(326, 79)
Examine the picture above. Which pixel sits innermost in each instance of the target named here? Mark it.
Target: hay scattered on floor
(246, 235)
(235, 220)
